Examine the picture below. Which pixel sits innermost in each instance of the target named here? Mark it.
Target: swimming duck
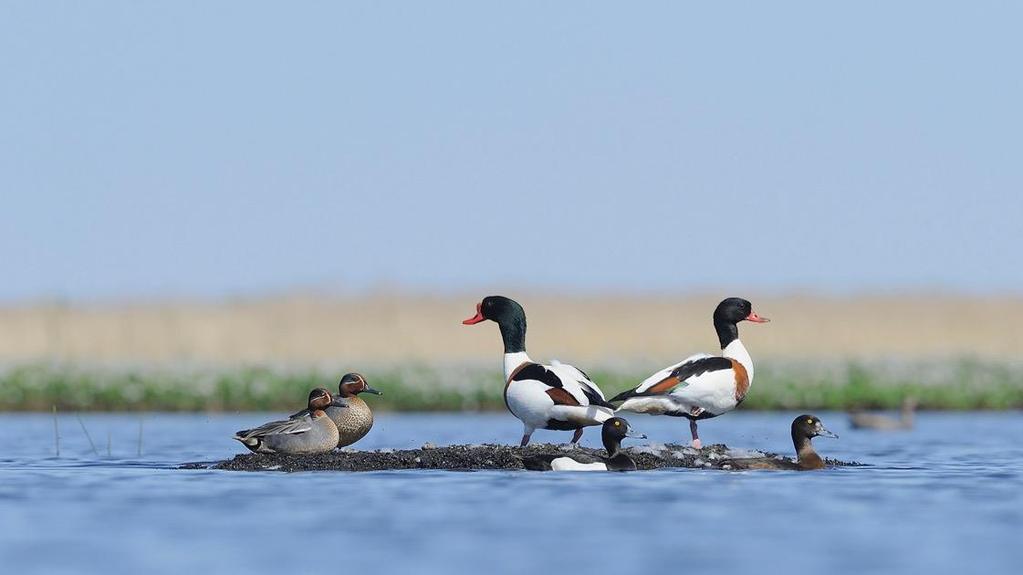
(859, 420)
(612, 433)
(349, 412)
(701, 386)
(556, 396)
(311, 433)
(804, 428)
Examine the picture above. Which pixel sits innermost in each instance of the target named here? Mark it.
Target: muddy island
(481, 457)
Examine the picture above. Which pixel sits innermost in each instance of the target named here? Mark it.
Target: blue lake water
(944, 497)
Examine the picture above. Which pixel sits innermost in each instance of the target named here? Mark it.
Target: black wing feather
(700, 367)
(539, 373)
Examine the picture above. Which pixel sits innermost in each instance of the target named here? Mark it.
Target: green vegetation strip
(957, 385)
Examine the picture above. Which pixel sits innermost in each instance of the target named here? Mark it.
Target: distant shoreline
(589, 330)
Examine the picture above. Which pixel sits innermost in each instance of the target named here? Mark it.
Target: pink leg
(696, 437)
(576, 437)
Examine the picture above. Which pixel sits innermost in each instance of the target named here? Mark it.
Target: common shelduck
(804, 428)
(311, 433)
(613, 432)
(557, 396)
(701, 386)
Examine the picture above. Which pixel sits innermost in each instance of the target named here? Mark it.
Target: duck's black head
(354, 384)
(614, 431)
(730, 312)
(319, 399)
(508, 315)
(806, 427)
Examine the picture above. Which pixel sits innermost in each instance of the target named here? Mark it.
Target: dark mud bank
(477, 457)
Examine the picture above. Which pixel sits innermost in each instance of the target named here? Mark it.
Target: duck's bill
(373, 391)
(821, 431)
(635, 434)
(753, 317)
(476, 318)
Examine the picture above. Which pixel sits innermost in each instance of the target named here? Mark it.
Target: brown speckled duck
(349, 412)
(804, 428)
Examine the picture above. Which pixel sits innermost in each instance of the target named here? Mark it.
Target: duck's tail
(538, 462)
(253, 443)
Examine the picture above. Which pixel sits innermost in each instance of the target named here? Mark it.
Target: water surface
(941, 498)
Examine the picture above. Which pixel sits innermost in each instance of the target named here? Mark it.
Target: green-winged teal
(313, 432)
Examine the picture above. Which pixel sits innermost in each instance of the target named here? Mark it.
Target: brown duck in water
(349, 412)
(860, 420)
(804, 428)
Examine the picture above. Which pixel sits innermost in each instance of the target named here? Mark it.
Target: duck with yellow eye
(612, 433)
(804, 428)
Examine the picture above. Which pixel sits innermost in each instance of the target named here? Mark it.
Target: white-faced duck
(701, 386)
(556, 396)
(312, 433)
(860, 420)
(349, 412)
(804, 428)
(613, 432)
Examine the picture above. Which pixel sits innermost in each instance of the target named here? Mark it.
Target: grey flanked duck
(804, 428)
(860, 420)
(612, 433)
(313, 432)
(349, 412)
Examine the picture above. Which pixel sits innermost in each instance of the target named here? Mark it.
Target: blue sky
(159, 150)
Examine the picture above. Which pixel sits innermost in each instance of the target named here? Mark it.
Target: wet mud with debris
(479, 457)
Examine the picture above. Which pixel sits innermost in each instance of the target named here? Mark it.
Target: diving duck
(701, 386)
(556, 396)
(804, 428)
(312, 433)
(349, 412)
(612, 433)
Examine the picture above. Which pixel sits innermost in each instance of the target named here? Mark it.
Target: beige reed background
(597, 330)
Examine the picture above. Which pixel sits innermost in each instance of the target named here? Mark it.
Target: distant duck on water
(349, 412)
(860, 420)
(612, 433)
(313, 432)
(701, 386)
(556, 396)
(804, 428)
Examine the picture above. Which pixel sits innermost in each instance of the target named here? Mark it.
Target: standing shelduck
(701, 386)
(557, 396)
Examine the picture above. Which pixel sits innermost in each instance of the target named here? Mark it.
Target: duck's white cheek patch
(569, 464)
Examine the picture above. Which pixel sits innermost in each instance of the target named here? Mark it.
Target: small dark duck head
(353, 384)
(809, 426)
(614, 431)
(319, 399)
